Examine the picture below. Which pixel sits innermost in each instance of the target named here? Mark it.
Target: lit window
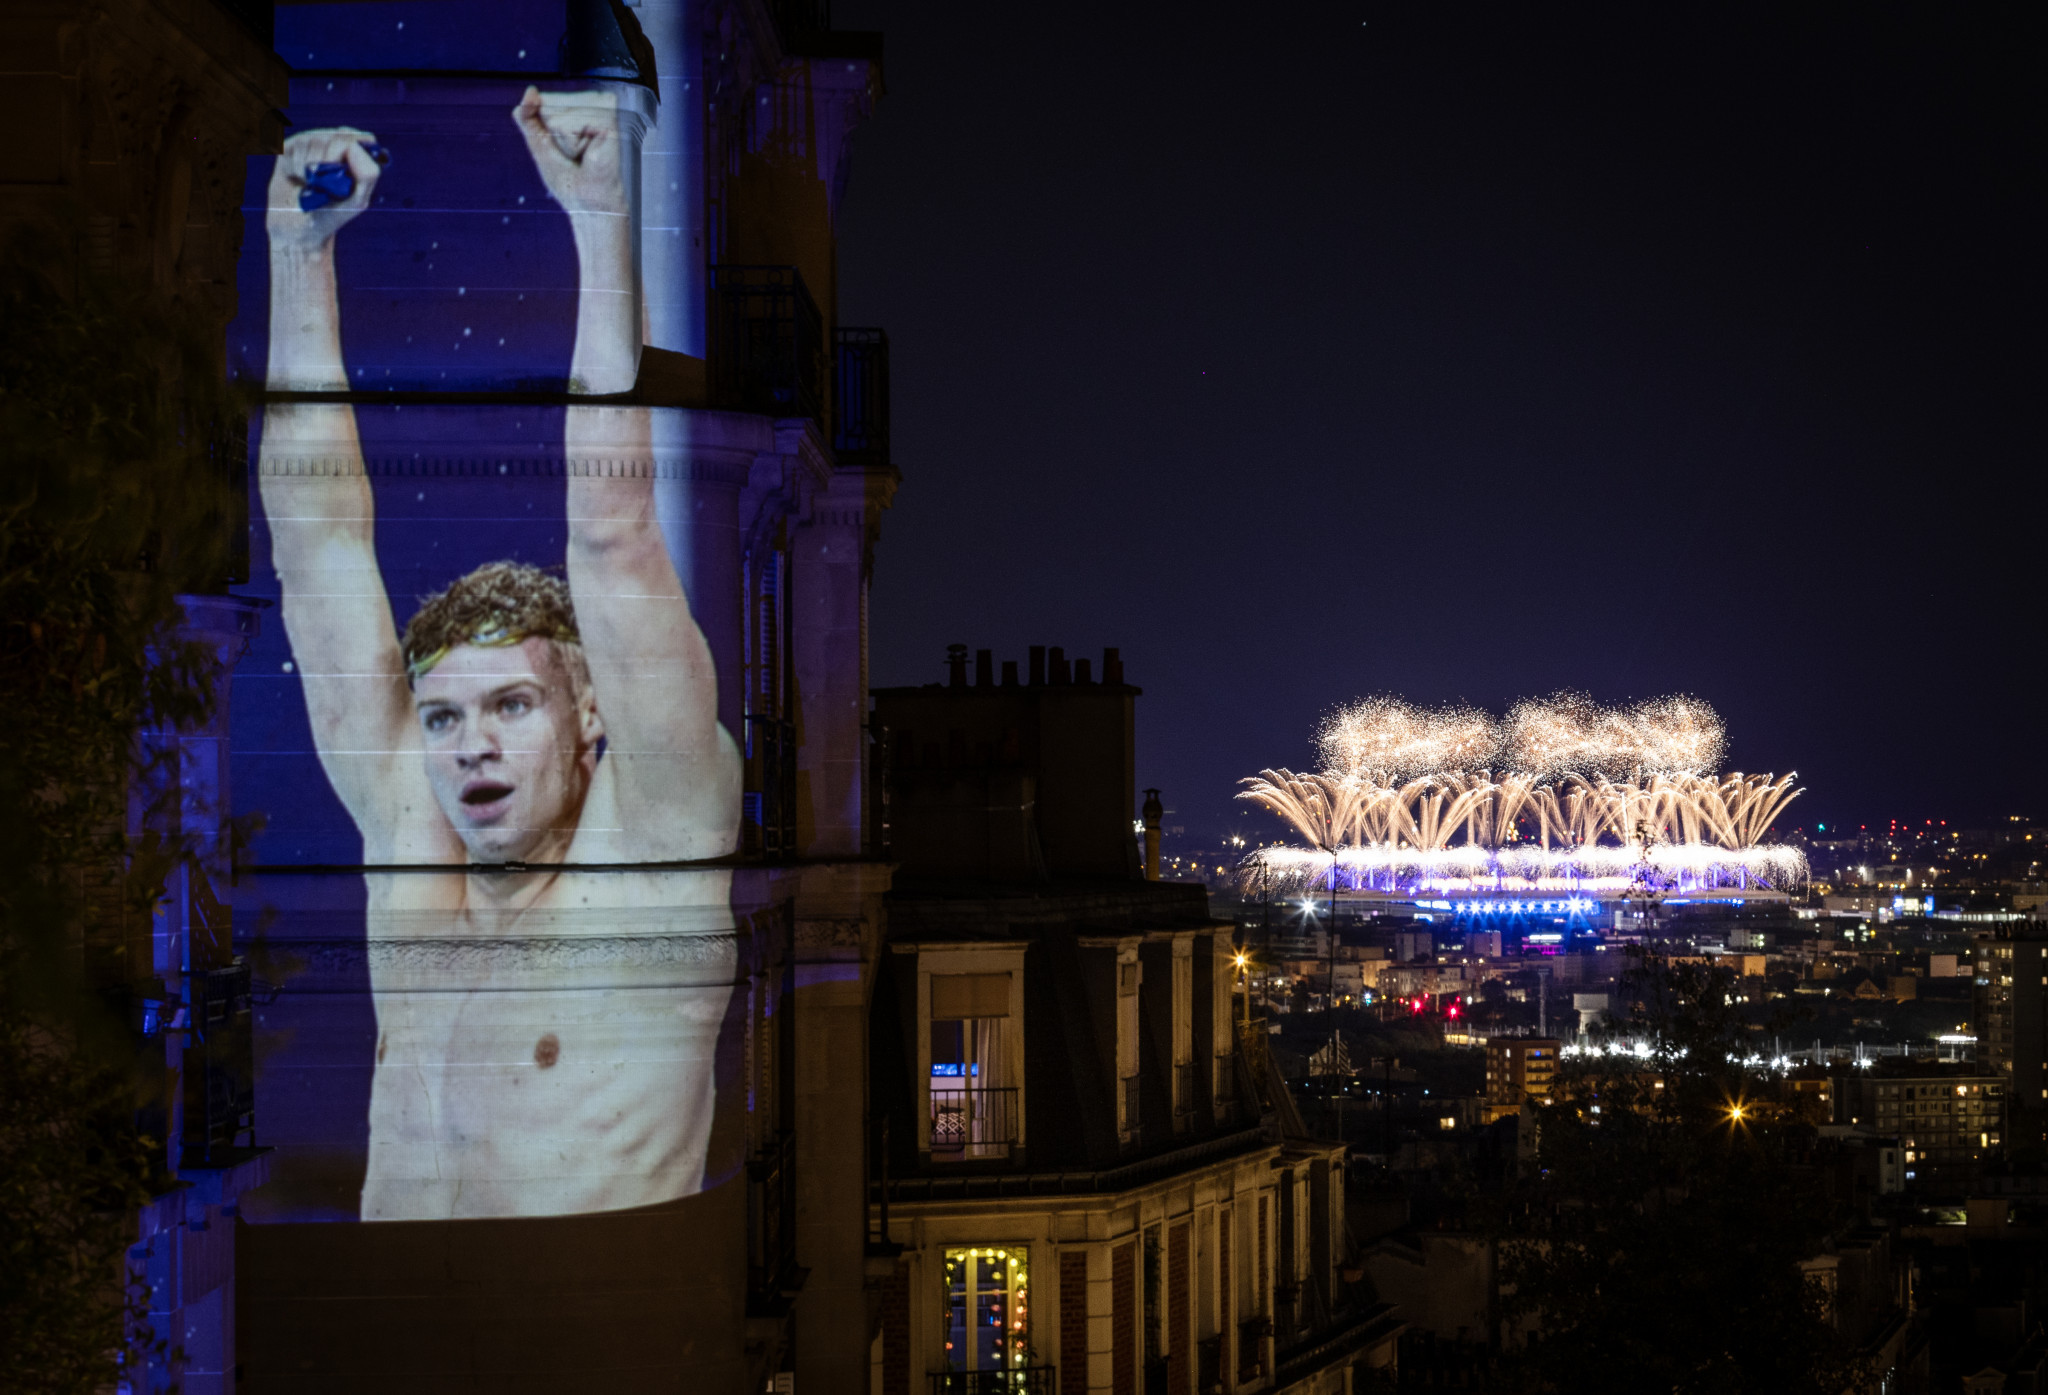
(988, 1311)
(972, 1090)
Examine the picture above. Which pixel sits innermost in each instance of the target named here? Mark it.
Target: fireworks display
(1391, 740)
(1564, 792)
(1570, 734)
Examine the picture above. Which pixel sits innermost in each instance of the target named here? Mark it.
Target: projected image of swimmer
(545, 1031)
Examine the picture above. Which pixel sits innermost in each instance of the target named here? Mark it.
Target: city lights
(1579, 871)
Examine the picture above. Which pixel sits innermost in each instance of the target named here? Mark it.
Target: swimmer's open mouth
(485, 792)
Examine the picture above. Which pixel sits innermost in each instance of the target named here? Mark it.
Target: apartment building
(1094, 1182)
(1949, 1122)
(1518, 1069)
(2011, 1018)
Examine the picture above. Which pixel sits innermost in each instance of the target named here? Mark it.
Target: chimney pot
(956, 665)
(1056, 664)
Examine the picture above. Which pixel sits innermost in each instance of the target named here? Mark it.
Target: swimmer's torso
(547, 1040)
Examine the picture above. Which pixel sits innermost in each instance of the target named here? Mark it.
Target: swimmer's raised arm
(674, 786)
(574, 140)
(318, 503)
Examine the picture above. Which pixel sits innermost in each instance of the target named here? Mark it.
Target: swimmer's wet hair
(497, 605)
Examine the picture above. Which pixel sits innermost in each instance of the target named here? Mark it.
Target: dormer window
(972, 1057)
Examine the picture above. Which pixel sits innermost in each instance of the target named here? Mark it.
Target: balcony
(1184, 1099)
(860, 396)
(220, 1075)
(1224, 1077)
(771, 1221)
(1251, 1347)
(767, 342)
(974, 1123)
(768, 802)
(1025, 1380)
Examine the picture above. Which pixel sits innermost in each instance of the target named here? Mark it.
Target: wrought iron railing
(768, 805)
(1023, 1380)
(1252, 1049)
(1184, 1100)
(1134, 1125)
(1223, 1078)
(1286, 1300)
(860, 396)
(1251, 1346)
(771, 1214)
(973, 1122)
(767, 342)
(220, 1074)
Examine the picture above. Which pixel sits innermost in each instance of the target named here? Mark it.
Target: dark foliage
(1658, 1243)
(113, 501)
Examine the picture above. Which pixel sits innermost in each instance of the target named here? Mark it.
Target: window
(988, 1309)
(973, 1100)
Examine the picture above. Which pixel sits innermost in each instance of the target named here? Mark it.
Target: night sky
(1473, 352)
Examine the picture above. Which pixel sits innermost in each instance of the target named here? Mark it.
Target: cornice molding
(565, 960)
(700, 467)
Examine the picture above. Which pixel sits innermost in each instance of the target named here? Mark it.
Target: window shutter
(970, 995)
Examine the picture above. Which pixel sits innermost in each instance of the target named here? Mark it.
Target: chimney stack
(1056, 664)
(956, 665)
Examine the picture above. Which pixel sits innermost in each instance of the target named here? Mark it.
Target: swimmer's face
(511, 746)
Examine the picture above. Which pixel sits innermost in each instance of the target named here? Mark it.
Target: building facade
(541, 297)
(2011, 1010)
(1094, 1181)
(1518, 1070)
(1949, 1123)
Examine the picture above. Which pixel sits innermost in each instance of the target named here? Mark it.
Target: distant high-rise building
(2012, 1022)
(1518, 1069)
(1949, 1121)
